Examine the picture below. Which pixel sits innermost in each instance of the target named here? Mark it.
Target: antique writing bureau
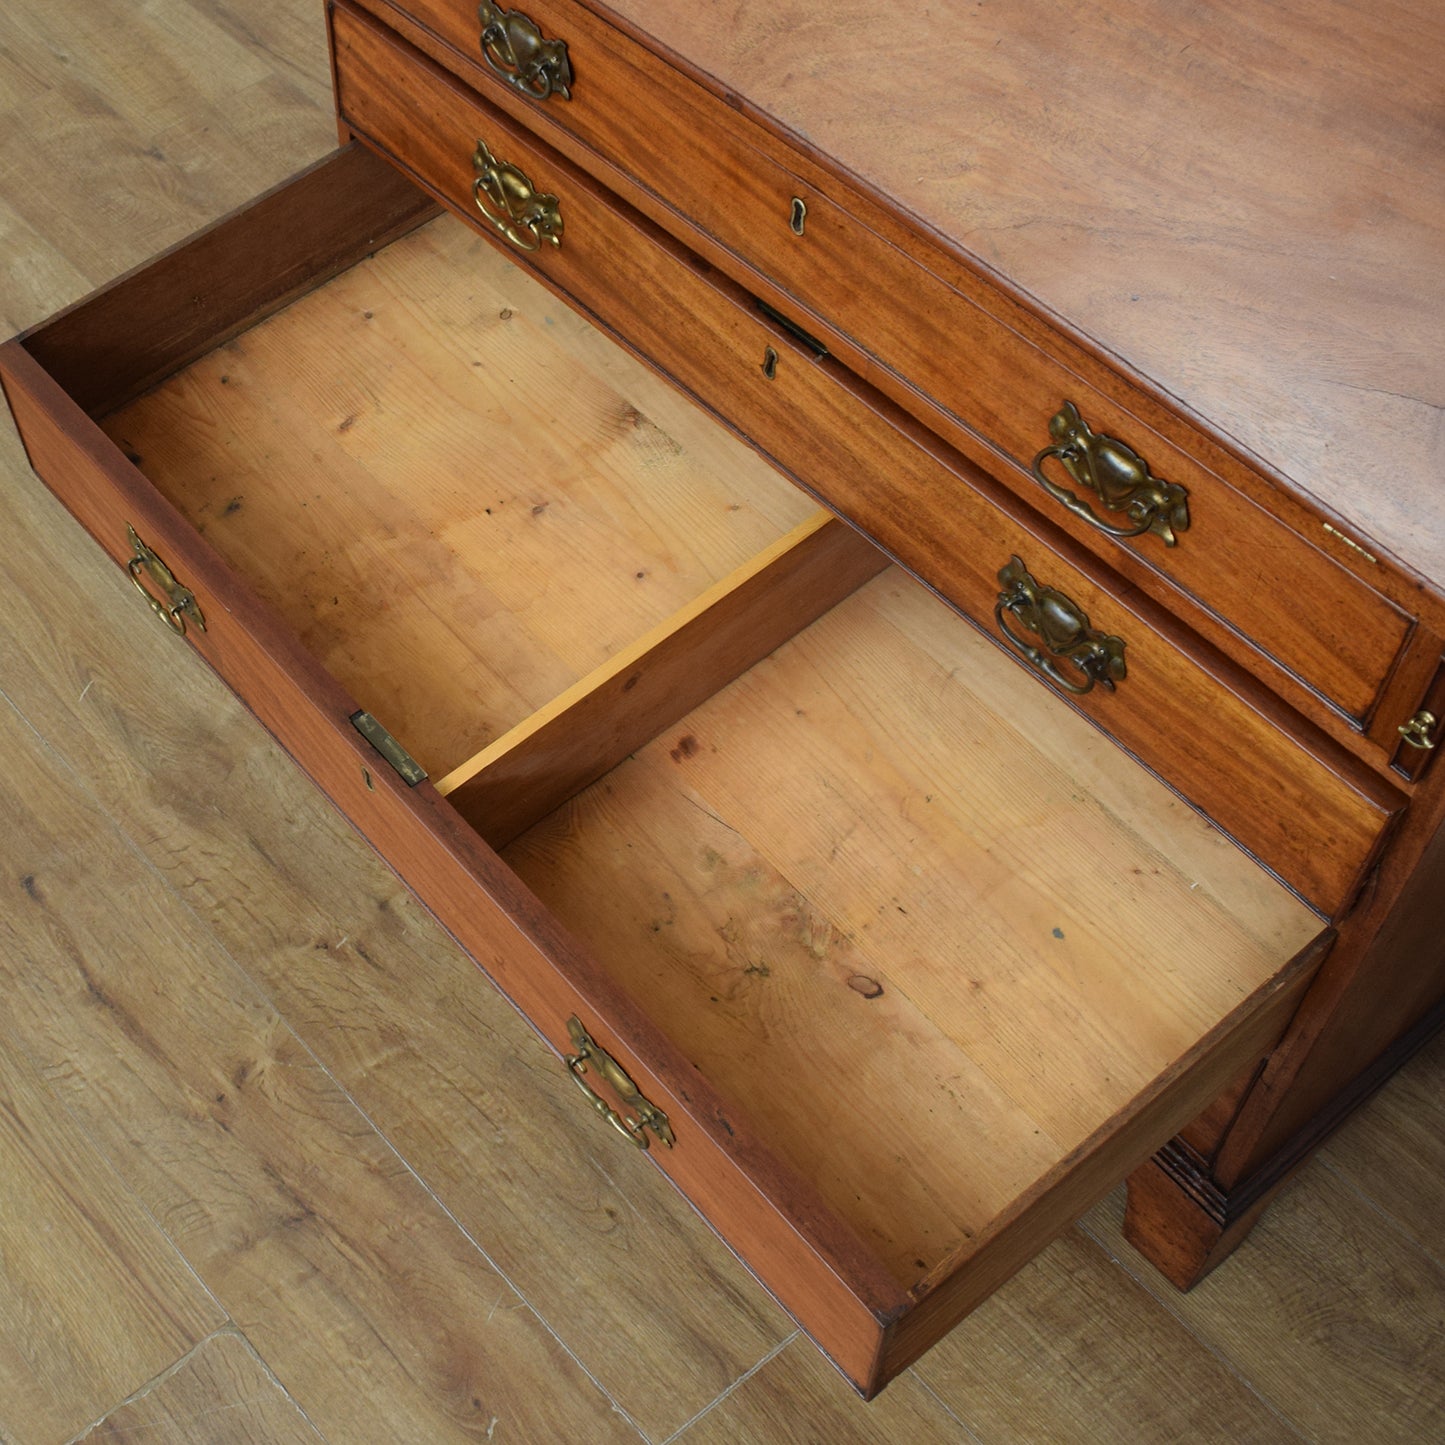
(1055, 802)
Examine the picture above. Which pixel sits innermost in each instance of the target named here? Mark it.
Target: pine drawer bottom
(894, 963)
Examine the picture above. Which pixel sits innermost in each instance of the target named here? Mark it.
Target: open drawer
(895, 963)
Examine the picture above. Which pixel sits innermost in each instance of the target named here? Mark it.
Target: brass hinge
(407, 768)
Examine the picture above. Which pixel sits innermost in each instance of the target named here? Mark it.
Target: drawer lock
(1417, 732)
(645, 1116)
(512, 45)
(1117, 476)
(179, 602)
(509, 201)
(1073, 656)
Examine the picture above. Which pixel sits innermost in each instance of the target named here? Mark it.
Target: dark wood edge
(628, 703)
(1185, 1223)
(126, 336)
(1182, 1163)
(1074, 1185)
(1241, 1197)
(455, 875)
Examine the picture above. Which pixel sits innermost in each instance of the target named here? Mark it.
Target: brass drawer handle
(509, 201)
(1117, 475)
(1417, 732)
(645, 1116)
(180, 602)
(1063, 628)
(512, 45)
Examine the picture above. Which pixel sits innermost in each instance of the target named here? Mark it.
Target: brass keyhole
(770, 363)
(799, 217)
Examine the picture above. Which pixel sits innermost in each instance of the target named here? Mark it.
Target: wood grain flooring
(276, 1164)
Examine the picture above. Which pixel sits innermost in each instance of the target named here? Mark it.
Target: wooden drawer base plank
(1077, 1183)
(591, 727)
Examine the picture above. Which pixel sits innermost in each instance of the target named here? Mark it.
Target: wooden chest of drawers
(893, 959)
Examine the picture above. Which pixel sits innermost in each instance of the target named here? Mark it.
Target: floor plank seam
(105, 1162)
(275, 1379)
(264, 996)
(173, 1368)
(741, 1380)
(947, 1409)
(471, 1239)
(1374, 1205)
(1159, 1290)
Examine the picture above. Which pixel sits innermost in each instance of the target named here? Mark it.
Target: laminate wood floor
(277, 1164)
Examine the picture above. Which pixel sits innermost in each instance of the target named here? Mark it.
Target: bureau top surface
(1244, 200)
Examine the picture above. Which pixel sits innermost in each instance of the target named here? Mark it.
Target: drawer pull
(1090, 657)
(645, 1116)
(512, 45)
(1417, 731)
(180, 602)
(1117, 475)
(509, 201)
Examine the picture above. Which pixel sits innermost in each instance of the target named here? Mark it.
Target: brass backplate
(177, 604)
(1069, 652)
(516, 50)
(1117, 478)
(591, 1056)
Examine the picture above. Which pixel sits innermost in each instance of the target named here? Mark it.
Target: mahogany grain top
(1243, 200)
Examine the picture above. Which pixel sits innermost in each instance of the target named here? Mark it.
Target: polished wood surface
(1244, 202)
(450, 1077)
(828, 1264)
(951, 356)
(293, 901)
(459, 538)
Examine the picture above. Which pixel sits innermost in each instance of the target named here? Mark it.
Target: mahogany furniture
(897, 941)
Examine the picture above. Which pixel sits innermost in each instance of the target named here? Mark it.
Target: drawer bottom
(912, 963)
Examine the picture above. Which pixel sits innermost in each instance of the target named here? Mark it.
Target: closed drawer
(1268, 587)
(1311, 813)
(835, 894)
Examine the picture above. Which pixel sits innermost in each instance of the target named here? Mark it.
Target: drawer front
(1303, 807)
(685, 146)
(815, 1266)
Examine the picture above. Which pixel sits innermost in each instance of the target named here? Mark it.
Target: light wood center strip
(625, 703)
